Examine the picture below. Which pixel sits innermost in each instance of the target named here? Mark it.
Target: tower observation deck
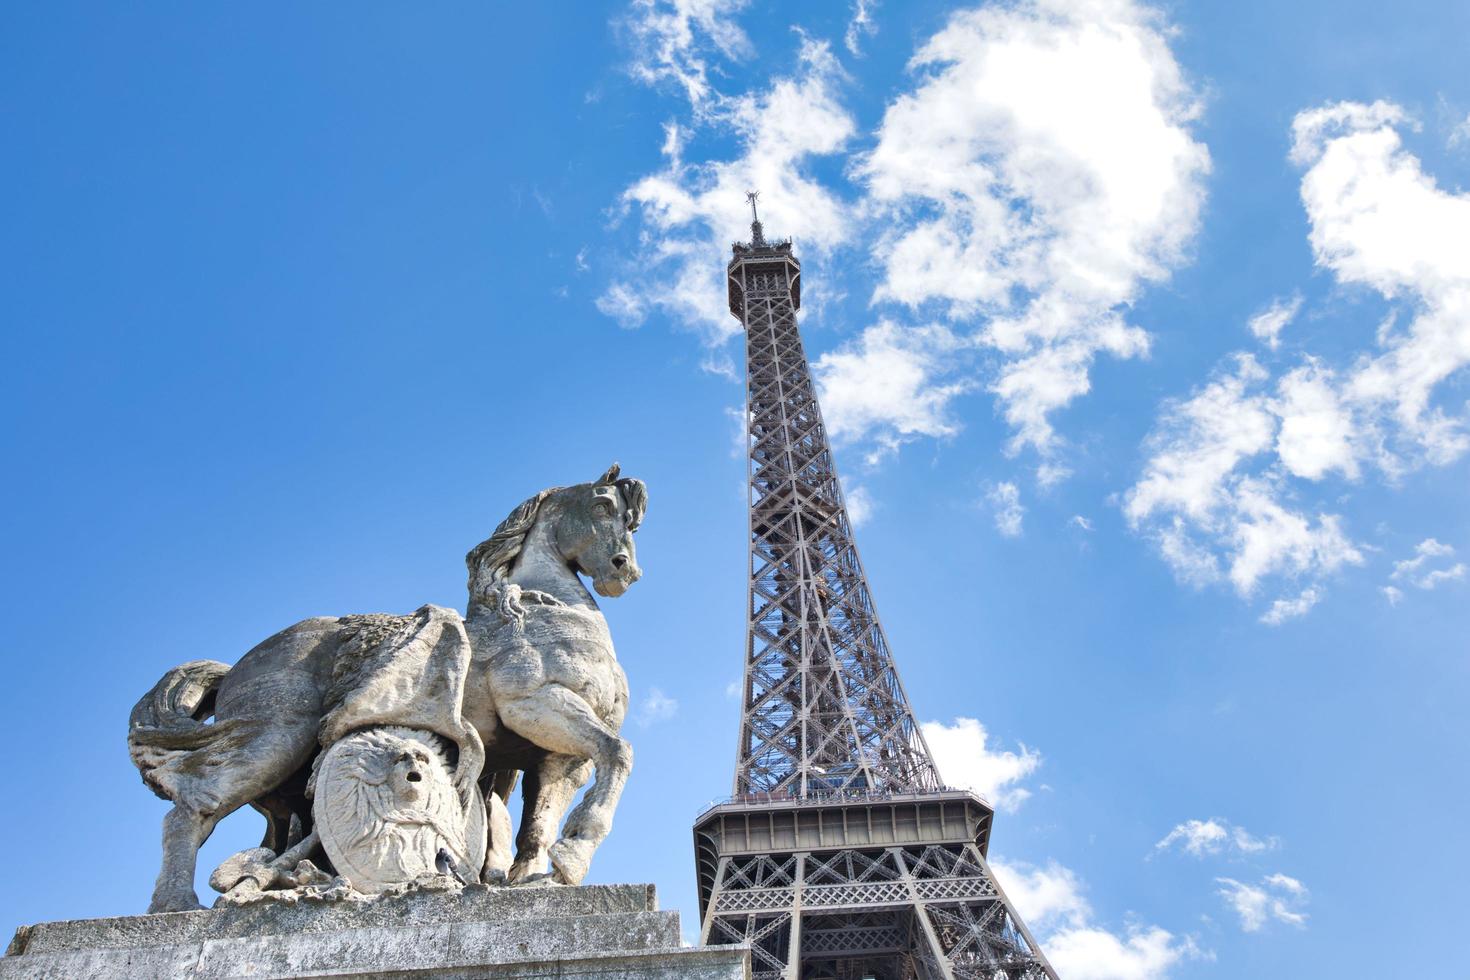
(840, 854)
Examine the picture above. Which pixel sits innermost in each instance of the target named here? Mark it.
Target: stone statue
(388, 745)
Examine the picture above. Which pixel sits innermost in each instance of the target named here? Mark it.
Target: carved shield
(387, 810)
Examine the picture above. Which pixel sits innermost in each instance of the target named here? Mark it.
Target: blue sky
(1142, 332)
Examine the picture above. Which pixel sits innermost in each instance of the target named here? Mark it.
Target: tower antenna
(757, 234)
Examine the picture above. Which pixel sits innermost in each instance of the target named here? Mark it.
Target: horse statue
(542, 695)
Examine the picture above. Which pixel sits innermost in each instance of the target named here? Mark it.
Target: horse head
(589, 525)
(595, 532)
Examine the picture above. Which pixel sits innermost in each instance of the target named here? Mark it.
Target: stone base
(608, 932)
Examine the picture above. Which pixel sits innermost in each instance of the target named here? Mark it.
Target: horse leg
(253, 754)
(184, 832)
(558, 720)
(547, 793)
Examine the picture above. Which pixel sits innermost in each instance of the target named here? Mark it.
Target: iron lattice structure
(840, 854)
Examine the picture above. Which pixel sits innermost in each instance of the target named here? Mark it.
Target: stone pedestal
(608, 932)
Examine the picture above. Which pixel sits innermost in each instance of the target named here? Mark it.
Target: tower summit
(840, 855)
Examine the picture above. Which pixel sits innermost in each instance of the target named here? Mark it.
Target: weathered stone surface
(608, 932)
(527, 682)
(474, 904)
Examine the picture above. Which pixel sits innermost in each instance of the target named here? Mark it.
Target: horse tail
(172, 721)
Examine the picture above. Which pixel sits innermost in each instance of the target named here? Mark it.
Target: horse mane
(491, 560)
(635, 498)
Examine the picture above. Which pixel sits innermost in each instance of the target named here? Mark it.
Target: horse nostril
(414, 777)
(619, 561)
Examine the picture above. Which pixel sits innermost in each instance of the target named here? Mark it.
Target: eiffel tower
(840, 856)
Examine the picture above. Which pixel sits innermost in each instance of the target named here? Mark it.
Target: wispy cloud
(1416, 570)
(673, 42)
(1283, 609)
(1267, 325)
(1213, 836)
(691, 211)
(655, 707)
(1206, 510)
(1276, 898)
(861, 25)
(1005, 504)
(1229, 464)
(860, 505)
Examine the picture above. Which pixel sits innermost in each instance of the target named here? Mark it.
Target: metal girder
(841, 855)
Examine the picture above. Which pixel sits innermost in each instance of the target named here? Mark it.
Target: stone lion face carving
(386, 807)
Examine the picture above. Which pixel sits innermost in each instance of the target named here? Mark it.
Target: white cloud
(1213, 836)
(860, 505)
(1080, 522)
(1317, 430)
(964, 760)
(1005, 500)
(1460, 133)
(884, 387)
(1453, 574)
(1050, 901)
(581, 259)
(1283, 609)
(673, 40)
(1415, 571)
(861, 25)
(624, 304)
(692, 211)
(735, 690)
(1040, 174)
(655, 707)
(1392, 594)
(1268, 324)
(1376, 220)
(1199, 506)
(1277, 898)
(1142, 953)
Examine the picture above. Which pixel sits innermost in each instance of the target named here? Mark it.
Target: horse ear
(610, 477)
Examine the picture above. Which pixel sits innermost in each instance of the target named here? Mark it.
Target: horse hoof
(571, 859)
(174, 903)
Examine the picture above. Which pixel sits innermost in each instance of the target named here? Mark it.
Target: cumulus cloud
(1005, 501)
(690, 212)
(1041, 173)
(1268, 324)
(883, 387)
(1276, 898)
(965, 760)
(1378, 220)
(1211, 837)
(1050, 901)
